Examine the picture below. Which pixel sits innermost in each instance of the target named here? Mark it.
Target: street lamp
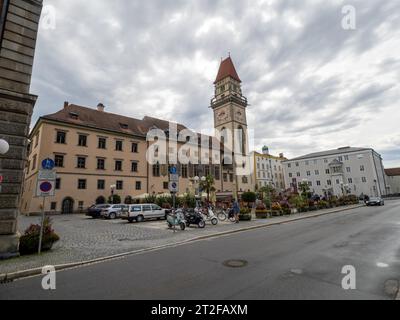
(4, 146)
(112, 187)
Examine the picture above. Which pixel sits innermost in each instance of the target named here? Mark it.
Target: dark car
(376, 201)
(95, 210)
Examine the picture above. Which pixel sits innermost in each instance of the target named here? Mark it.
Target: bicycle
(222, 215)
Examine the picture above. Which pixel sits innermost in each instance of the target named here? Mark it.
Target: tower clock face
(223, 115)
(240, 116)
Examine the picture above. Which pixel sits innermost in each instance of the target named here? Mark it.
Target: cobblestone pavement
(84, 238)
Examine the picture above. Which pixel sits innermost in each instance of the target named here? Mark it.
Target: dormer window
(124, 126)
(74, 115)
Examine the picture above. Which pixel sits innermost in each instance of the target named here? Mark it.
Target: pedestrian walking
(236, 210)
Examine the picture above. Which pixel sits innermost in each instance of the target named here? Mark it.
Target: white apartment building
(393, 180)
(268, 170)
(348, 170)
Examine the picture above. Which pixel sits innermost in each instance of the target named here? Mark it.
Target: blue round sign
(173, 170)
(48, 164)
(174, 185)
(45, 186)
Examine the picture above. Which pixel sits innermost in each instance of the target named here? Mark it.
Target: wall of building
(43, 145)
(17, 48)
(357, 167)
(393, 183)
(268, 170)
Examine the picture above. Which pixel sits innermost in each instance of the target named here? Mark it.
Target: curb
(9, 277)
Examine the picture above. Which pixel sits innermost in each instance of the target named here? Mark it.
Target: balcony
(216, 102)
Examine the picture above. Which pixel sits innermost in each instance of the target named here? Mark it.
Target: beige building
(268, 170)
(96, 151)
(393, 180)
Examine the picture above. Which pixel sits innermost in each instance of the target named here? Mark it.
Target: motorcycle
(176, 219)
(208, 215)
(195, 218)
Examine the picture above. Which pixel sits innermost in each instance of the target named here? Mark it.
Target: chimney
(100, 107)
(281, 155)
(66, 104)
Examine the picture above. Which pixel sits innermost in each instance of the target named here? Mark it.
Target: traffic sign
(174, 187)
(173, 170)
(48, 164)
(47, 175)
(174, 177)
(45, 188)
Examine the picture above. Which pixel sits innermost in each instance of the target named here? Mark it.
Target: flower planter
(245, 217)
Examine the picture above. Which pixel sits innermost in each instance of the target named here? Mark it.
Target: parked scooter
(208, 215)
(176, 219)
(194, 217)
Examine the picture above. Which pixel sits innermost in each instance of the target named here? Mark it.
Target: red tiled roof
(227, 69)
(392, 172)
(92, 118)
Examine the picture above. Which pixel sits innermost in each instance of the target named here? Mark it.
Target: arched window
(241, 140)
(224, 138)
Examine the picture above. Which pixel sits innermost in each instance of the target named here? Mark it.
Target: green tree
(208, 186)
(151, 198)
(305, 189)
(128, 200)
(249, 197)
(115, 199)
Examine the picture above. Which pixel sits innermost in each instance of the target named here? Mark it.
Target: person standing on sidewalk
(236, 210)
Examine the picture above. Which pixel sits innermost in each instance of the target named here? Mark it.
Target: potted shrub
(276, 209)
(323, 204)
(128, 200)
(114, 199)
(245, 214)
(261, 211)
(249, 197)
(29, 242)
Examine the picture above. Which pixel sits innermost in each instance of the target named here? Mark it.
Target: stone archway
(67, 206)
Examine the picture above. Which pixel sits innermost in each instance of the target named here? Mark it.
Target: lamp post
(112, 187)
(4, 147)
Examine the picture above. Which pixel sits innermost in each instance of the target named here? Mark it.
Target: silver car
(113, 211)
(141, 212)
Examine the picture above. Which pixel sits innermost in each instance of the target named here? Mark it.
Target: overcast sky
(311, 84)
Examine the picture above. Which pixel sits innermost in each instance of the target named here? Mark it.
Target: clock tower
(230, 121)
(229, 106)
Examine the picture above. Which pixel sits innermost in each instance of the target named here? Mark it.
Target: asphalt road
(298, 260)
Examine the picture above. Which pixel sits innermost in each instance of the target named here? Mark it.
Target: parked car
(375, 201)
(141, 212)
(95, 210)
(113, 211)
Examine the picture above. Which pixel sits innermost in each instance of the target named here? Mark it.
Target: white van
(141, 212)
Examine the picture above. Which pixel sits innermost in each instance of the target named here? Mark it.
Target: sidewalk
(117, 239)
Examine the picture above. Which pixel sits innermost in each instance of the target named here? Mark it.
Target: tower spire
(227, 69)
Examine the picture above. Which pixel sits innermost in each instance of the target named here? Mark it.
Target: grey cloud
(132, 57)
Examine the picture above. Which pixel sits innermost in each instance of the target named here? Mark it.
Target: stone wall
(18, 40)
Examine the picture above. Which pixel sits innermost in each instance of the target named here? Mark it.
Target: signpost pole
(41, 228)
(45, 187)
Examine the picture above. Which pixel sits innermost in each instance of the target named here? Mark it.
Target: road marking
(382, 265)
